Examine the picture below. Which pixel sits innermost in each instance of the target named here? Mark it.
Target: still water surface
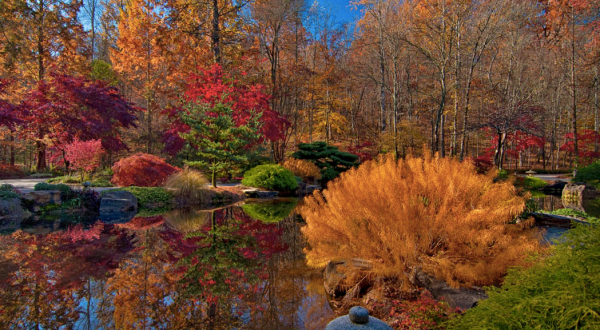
(237, 267)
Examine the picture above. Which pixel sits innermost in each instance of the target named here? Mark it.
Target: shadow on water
(188, 269)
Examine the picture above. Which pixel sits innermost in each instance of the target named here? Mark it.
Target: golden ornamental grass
(302, 168)
(434, 213)
(188, 184)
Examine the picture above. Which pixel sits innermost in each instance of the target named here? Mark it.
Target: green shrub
(530, 183)
(575, 214)
(331, 161)
(7, 192)
(503, 174)
(270, 177)
(561, 291)
(63, 188)
(590, 173)
(270, 212)
(101, 183)
(149, 198)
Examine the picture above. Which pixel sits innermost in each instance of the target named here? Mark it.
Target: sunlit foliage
(434, 213)
(302, 168)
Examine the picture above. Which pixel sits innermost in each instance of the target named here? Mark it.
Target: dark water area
(235, 267)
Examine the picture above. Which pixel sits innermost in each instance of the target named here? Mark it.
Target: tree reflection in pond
(203, 270)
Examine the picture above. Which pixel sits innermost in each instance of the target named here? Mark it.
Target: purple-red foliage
(65, 107)
(142, 170)
(7, 109)
(212, 86)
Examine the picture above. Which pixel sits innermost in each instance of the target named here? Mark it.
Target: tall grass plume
(432, 213)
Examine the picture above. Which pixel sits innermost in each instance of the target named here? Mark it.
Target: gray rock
(306, 189)
(11, 214)
(462, 298)
(118, 206)
(358, 318)
(43, 197)
(256, 193)
(574, 194)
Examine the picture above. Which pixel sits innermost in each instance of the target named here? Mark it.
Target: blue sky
(343, 11)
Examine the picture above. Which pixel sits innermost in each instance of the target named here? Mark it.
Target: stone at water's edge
(44, 197)
(357, 318)
(255, 193)
(573, 195)
(462, 298)
(118, 206)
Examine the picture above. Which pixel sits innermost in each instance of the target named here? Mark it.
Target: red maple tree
(84, 156)
(63, 108)
(212, 86)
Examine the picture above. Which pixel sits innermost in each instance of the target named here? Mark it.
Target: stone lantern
(358, 318)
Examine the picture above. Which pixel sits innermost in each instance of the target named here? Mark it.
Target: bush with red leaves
(10, 172)
(142, 170)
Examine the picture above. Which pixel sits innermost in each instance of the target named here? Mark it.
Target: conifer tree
(217, 141)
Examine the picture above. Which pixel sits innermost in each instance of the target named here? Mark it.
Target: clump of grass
(435, 213)
(188, 185)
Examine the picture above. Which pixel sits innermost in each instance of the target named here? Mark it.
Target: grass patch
(151, 200)
(530, 183)
(575, 214)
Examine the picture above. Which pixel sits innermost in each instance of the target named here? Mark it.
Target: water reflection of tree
(227, 270)
(45, 280)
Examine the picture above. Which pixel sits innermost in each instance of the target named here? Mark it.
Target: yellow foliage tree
(434, 213)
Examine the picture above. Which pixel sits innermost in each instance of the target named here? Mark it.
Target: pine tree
(217, 141)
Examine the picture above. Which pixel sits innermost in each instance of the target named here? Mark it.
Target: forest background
(507, 82)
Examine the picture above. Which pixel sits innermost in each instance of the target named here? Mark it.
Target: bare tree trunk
(216, 32)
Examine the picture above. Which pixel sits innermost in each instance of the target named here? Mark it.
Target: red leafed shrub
(483, 164)
(10, 171)
(84, 156)
(142, 170)
(421, 313)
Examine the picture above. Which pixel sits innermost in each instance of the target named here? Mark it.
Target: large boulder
(11, 214)
(118, 206)
(43, 197)
(35, 199)
(574, 194)
(463, 298)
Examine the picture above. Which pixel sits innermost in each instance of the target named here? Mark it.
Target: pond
(235, 267)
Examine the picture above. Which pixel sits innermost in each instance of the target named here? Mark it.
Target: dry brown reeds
(188, 185)
(434, 213)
